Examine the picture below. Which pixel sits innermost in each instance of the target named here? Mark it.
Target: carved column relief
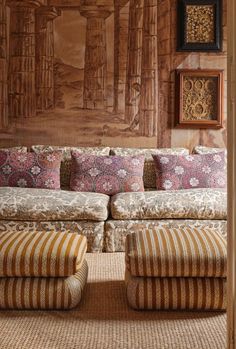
(133, 83)
(121, 19)
(148, 109)
(45, 57)
(3, 66)
(95, 70)
(22, 97)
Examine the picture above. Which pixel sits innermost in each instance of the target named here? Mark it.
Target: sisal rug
(104, 321)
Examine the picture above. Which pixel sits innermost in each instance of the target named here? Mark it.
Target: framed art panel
(199, 25)
(199, 98)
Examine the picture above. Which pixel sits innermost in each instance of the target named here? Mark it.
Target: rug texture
(104, 321)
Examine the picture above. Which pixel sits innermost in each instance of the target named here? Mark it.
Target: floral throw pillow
(106, 174)
(175, 172)
(30, 170)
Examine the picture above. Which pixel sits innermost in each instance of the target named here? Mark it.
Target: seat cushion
(180, 252)
(43, 293)
(51, 205)
(176, 293)
(189, 203)
(44, 254)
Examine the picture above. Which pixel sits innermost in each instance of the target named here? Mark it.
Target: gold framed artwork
(199, 102)
(199, 25)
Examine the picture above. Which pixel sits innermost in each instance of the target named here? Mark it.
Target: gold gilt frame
(199, 98)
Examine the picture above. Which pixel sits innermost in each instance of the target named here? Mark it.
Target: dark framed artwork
(199, 25)
(199, 98)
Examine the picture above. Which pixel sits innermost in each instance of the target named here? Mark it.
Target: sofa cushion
(43, 254)
(179, 252)
(190, 171)
(26, 204)
(106, 174)
(66, 157)
(30, 170)
(149, 174)
(189, 203)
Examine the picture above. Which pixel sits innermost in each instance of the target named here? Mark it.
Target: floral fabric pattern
(200, 149)
(106, 174)
(66, 158)
(24, 204)
(29, 170)
(149, 173)
(176, 172)
(171, 204)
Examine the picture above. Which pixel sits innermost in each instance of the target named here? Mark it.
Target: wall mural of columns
(89, 72)
(45, 57)
(22, 96)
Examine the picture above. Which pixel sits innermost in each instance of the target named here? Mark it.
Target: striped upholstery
(43, 293)
(176, 293)
(180, 252)
(45, 254)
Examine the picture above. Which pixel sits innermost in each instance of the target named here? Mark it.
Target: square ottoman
(176, 269)
(42, 270)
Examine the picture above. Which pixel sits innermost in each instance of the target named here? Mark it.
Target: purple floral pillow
(175, 172)
(30, 170)
(106, 174)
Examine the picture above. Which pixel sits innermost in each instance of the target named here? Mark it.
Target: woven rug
(104, 321)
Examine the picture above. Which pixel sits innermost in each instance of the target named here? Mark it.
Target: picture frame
(199, 98)
(199, 25)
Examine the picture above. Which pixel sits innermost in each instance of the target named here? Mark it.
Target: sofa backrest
(201, 149)
(20, 149)
(66, 158)
(149, 174)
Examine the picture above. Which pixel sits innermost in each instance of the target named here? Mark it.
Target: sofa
(105, 220)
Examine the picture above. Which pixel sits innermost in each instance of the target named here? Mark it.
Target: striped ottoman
(42, 270)
(176, 269)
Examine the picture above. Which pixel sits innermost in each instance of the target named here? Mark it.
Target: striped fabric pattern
(44, 254)
(43, 293)
(180, 252)
(176, 293)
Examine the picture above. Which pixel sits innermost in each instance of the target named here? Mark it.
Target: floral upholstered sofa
(105, 220)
